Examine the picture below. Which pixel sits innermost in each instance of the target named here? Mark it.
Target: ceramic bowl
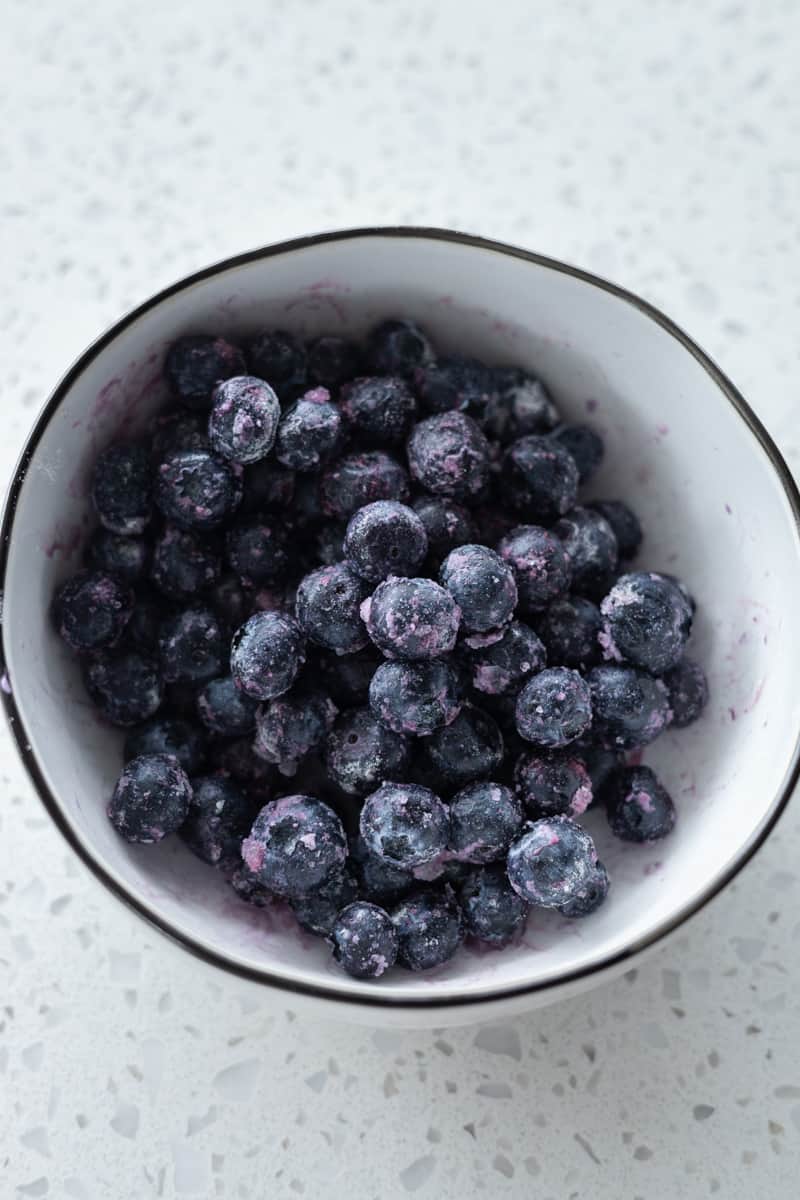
(715, 498)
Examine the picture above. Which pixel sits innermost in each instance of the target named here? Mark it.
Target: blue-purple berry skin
(317, 911)
(554, 708)
(447, 525)
(377, 879)
(415, 699)
(295, 844)
(364, 940)
(502, 667)
(638, 806)
(569, 629)
(183, 563)
(122, 489)
(329, 543)
(429, 928)
(539, 479)
(291, 726)
(398, 347)
(180, 429)
(332, 360)
(591, 898)
(225, 710)
(196, 363)
(191, 646)
(220, 814)
(346, 677)
(361, 753)
(405, 824)
(624, 522)
(598, 759)
(309, 432)
(591, 547)
(482, 585)
(91, 611)
(239, 760)
(491, 909)
(151, 798)
(687, 687)
(267, 486)
(552, 862)
(267, 653)
(585, 445)
(141, 630)
(168, 735)
(551, 785)
(125, 558)
(257, 550)
(358, 479)
(411, 619)
(521, 405)
(647, 621)
(197, 490)
(230, 603)
(484, 819)
(328, 608)
(449, 456)
(471, 747)
(454, 382)
(244, 419)
(385, 538)
(630, 708)
(378, 409)
(279, 357)
(248, 889)
(126, 686)
(540, 563)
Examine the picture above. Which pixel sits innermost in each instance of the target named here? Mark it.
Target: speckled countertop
(655, 144)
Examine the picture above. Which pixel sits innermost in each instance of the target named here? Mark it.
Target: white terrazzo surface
(657, 144)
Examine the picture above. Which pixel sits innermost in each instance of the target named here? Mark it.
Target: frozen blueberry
(377, 879)
(168, 735)
(317, 911)
(183, 563)
(449, 456)
(180, 430)
(455, 382)
(552, 862)
(447, 525)
(589, 900)
(471, 747)
(688, 692)
(429, 929)
(359, 479)
(554, 708)
(364, 940)
(257, 550)
(585, 445)
(267, 486)
(405, 824)
(484, 819)
(492, 910)
(552, 784)
(126, 558)
(295, 844)
(244, 419)
(309, 432)
(630, 708)
(591, 548)
(239, 760)
(599, 760)
(225, 709)
(540, 564)
(219, 817)
(196, 363)
(415, 698)
(267, 653)
(647, 621)
(521, 405)
(331, 360)
(142, 629)
(482, 585)
(385, 538)
(346, 677)
(398, 348)
(125, 685)
(411, 619)
(569, 629)
(328, 608)
(191, 646)
(229, 602)
(122, 489)
(151, 798)
(638, 806)
(248, 889)
(625, 524)
(280, 358)
(361, 753)
(682, 588)
(329, 543)
(91, 610)
(378, 409)
(539, 478)
(197, 490)
(289, 727)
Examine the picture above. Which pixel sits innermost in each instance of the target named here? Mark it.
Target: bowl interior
(712, 504)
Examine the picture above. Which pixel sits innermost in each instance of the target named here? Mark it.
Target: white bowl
(718, 506)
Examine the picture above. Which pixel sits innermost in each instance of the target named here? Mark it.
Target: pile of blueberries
(373, 657)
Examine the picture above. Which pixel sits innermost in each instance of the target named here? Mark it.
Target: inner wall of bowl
(711, 504)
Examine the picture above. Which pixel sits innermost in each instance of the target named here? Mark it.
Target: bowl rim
(263, 976)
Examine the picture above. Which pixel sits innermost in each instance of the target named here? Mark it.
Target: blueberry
(682, 588)
(257, 550)
(585, 445)
(346, 678)
(330, 543)
(599, 760)
(122, 489)
(521, 405)
(358, 479)
(625, 524)
(244, 419)
(328, 608)
(469, 748)
(126, 558)
(309, 432)
(267, 486)
(552, 862)
(590, 899)
(225, 710)
(429, 929)
(229, 602)
(482, 585)
(248, 889)
(364, 940)
(492, 910)
(168, 735)
(569, 629)
(196, 363)
(540, 563)
(411, 619)
(91, 610)
(449, 456)
(361, 753)
(280, 358)
(125, 685)
(295, 844)
(591, 548)
(539, 478)
(455, 382)
(688, 692)
(266, 655)
(191, 646)
(484, 819)
(415, 698)
(331, 360)
(219, 817)
(151, 798)
(447, 525)
(289, 727)
(554, 708)
(179, 430)
(550, 785)
(630, 707)
(397, 348)
(638, 806)
(317, 911)
(196, 490)
(647, 621)
(142, 629)
(183, 563)
(405, 824)
(385, 538)
(239, 760)
(378, 409)
(377, 879)
(502, 667)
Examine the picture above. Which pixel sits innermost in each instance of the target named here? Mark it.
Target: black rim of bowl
(263, 976)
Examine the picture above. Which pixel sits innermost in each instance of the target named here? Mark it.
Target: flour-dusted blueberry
(484, 819)
(183, 563)
(415, 698)
(178, 430)
(491, 909)
(638, 806)
(361, 753)
(197, 490)
(295, 844)
(552, 784)
(552, 862)
(317, 911)
(230, 603)
(569, 628)
(244, 419)
(688, 692)
(378, 409)
(471, 747)
(168, 735)
(594, 894)
(540, 564)
(385, 538)
(359, 479)
(191, 646)
(624, 522)
(377, 879)
(482, 585)
(647, 621)
(411, 619)
(554, 708)
(598, 759)
(289, 727)
(257, 550)
(681, 586)
(429, 929)
(248, 889)
(267, 653)
(332, 360)
(328, 608)
(151, 798)
(449, 456)
(346, 677)
(219, 817)
(126, 558)
(405, 824)
(239, 760)
(539, 478)
(125, 685)
(267, 486)
(397, 347)
(591, 548)
(585, 445)
(280, 358)
(521, 405)
(447, 525)
(91, 611)
(455, 382)
(122, 488)
(196, 363)
(142, 629)
(225, 710)
(364, 940)
(629, 706)
(309, 432)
